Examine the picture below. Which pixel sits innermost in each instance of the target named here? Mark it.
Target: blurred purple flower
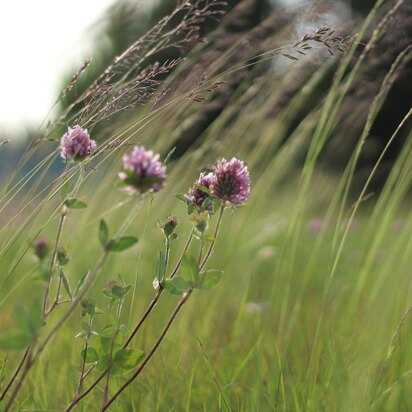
(197, 196)
(41, 248)
(76, 144)
(142, 171)
(231, 182)
(315, 226)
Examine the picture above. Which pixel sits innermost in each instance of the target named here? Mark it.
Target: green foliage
(191, 278)
(91, 355)
(30, 322)
(121, 244)
(73, 203)
(103, 233)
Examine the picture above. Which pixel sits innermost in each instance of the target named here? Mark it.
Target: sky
(40, 40)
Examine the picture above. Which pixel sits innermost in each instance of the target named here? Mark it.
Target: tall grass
(313, 312)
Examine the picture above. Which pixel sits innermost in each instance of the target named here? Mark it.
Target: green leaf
(82, 334)
(66, 284)
(209, 279)
(15, 340)
(103, 233)
(91, 355)
(189, 269)
(80, 284)
(103, 362)
(73, 203)
(121, 244)
(108, 332)
(128, 358)
(176, 285)
(104, 344)
(160, 265)
(190, 208)
(181, 197)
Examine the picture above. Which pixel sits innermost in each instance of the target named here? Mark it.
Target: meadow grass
(312, 312)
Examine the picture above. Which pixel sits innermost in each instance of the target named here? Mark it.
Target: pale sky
(40, 40)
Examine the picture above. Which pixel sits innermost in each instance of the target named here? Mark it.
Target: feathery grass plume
(142, 171)
(76, 144)
(129, 80)
(197, 195)
(231, 182)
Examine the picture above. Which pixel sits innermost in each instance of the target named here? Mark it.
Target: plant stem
(159, 292)
(153, 303)
(86, 347)
(28, 366)
(32, 358)
(53, 260)
(212, 244)
(15, 374)
(136, 328)
(106, 387)
(179, 306)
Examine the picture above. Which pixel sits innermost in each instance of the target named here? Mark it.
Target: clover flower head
(76, 144)
(197, 196)
(231, 181)
(142, 171)
(41, 248)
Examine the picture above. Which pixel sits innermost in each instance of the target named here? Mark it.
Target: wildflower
(231, 182)
(142, 171)
(198, 193)
(41, 248)
(76, 144)
(315, 226)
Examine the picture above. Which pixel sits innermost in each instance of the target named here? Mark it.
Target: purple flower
(231, 182)
(76, 144)
(142, 171)
(197, 196)
(315, 226)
